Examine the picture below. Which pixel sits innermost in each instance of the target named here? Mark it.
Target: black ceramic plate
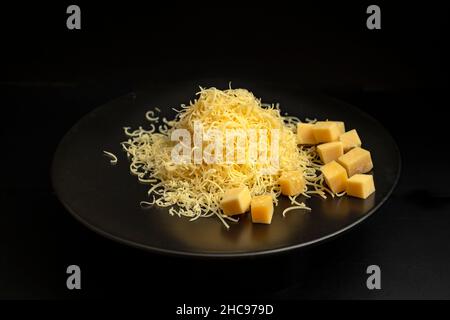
(106, 198)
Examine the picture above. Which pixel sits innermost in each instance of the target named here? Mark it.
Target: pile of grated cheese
(195, 190)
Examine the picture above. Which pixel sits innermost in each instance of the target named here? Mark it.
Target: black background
(51, 76)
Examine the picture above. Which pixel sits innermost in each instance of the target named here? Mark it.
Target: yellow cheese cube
(292, 182)
(236, 201)
(305, 133)
(357, 160)
(335, 176)
(326, 131)
(360, 186)
(350, 140)
(330, 151)
(262, 209)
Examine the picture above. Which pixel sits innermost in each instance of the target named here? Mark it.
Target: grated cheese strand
(112, 156)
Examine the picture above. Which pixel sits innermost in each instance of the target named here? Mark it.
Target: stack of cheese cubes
(345, 165)
(345, 162)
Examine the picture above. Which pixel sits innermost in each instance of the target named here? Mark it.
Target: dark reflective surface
(106, 198)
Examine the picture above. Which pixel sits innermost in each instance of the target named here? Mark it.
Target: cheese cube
(350, 140)
(326, 131)
(330, 151)
(360, 186)
(236, 201)
(305, 133)
(335, 176)
(357, 160)
(262, 209)
(292, 182)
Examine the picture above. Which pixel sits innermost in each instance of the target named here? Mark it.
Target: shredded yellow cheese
(194, 190)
